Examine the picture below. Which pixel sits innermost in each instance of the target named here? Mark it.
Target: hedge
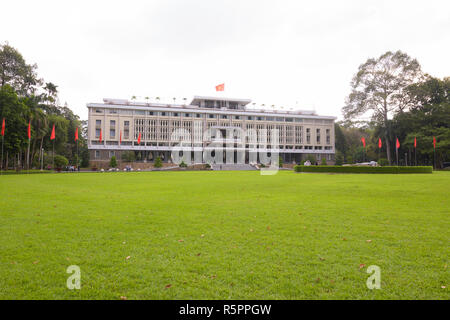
(355, 169)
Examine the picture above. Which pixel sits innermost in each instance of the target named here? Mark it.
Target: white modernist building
(205, 123)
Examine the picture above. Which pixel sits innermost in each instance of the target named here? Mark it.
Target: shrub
(355, 169)
(113, 162)
(339, 159)
(61, 161)
(324, 162)
(183, 165)
(280, 162)
(158, 162)
(383, 162)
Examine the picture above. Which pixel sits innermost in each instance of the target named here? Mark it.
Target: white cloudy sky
(299, 54)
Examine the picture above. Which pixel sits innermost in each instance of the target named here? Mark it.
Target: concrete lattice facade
(121, 121)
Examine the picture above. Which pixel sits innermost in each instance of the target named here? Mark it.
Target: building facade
(204, 123)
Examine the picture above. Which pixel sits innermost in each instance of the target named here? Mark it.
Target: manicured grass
(224, 235)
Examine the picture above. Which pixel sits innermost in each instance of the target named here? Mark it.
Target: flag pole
(28, 156)
(53, 156)
(434, 158)
(1, 166)
(396, 150)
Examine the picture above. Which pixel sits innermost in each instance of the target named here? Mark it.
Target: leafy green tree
(339, 160)
(379, 89)
(158, 162)
(113, 162)
(15, 113)
(60, 161)
(16, 72)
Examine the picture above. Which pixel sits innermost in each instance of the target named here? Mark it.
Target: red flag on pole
(100, 138)
(398, 144)
(220, 87)
(363, 140)
(29, 130)
(120, 137)
(3, 127)
(76, 134)
(139, 138)
(53, 136)
(434, 142)
(415, 142)
(380, 144)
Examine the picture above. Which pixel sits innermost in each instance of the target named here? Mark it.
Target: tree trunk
(387, 134)
(40, 149)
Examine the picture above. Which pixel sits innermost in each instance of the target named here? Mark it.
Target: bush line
(351, 169)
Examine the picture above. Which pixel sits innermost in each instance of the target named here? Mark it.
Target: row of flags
(52, 136)
(397, 143)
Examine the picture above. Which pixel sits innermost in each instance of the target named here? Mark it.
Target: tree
(428, 117)
(15, 112)
(158, 162)
(60, 162)
(113, 162)
(16, 72)
(379, 88)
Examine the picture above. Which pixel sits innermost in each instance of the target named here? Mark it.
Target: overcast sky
(295, 54)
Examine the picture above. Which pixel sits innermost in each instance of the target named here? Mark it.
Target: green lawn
(224, 235)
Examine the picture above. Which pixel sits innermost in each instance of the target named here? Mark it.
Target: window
(198, 115)
(318, 135)
(176, 114)
(112, 129)
(112, 111)
(151, 113)
(249, 118)
(126, 129)
(260, 118)
(308, 135)
(97, 154)
(139, 112)
(211, 116)
(224, 116)
(328, 136)
(112, 154)
(163, 114)
(289, 119)
(187, 115)
(98, 128)
(98, 110)
(237, 117)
